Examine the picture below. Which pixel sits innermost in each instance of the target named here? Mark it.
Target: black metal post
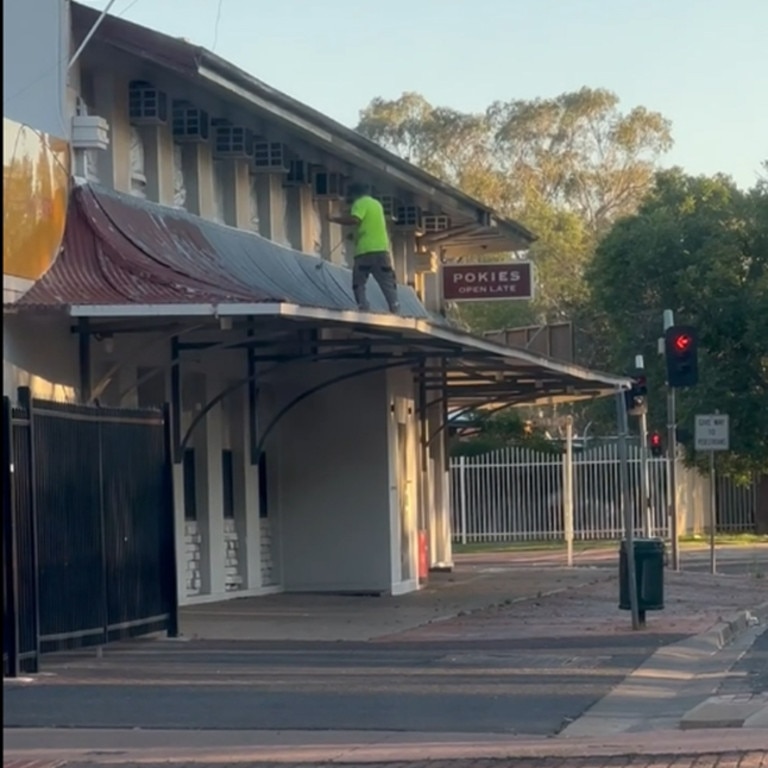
(103, 533)
(10, 553)
(84, 349)
(25, 400)
(253, 419)
(169, 557)
(176, 453)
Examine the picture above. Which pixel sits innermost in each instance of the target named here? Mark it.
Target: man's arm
(345, 221)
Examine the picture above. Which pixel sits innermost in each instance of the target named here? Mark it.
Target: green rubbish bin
(649, 574)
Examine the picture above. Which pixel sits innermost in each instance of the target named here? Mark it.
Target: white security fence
(516, 494)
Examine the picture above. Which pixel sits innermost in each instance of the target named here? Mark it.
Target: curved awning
(121, 250)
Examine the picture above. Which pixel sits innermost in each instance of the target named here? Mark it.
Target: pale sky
(701, 63)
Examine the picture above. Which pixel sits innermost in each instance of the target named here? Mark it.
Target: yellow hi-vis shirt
(371, 236)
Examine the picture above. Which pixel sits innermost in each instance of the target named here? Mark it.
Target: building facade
(197, 267)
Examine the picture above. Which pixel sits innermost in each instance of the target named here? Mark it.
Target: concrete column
(197, 163)
(210, 516)
(241, 183)
(246, 489)
(398, 256)
(301, 218)
(111, 103)
(158, 162)
(442, 554)
(331, 235)
(179, 528)
(433, 294)
(225, 174)
(410, 261)
(270, 193)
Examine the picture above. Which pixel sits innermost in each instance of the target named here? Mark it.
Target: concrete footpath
(203, 748)
(652, 713)
(642, 716)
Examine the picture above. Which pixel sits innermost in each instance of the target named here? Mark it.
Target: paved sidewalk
(743, 759)
(742, 699)
(297, 748)
(485, 607)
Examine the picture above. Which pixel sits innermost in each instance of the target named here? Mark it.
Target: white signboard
(712, 433)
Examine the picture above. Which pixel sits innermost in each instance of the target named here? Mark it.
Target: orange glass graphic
(35, 193)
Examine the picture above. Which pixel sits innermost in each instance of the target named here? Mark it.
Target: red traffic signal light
(681, 351)
(654, 441)
(682, 342)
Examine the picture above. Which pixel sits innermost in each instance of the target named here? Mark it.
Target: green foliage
(698, 246)
(566, 167)
(500, 430)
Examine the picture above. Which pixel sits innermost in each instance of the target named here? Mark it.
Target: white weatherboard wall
(39, 353)
(334, 484)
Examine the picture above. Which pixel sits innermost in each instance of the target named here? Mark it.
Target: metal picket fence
(516, 494)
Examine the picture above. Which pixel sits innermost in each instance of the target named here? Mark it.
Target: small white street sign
(712, 433)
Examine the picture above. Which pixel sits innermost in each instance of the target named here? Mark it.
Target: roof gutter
(384, 321)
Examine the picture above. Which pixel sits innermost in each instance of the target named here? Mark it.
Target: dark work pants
(378, 264)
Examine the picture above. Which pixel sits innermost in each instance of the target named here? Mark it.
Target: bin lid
(645, 545)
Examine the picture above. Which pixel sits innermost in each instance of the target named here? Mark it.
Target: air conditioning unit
(435, 223)
(329, 186)
(484, 218)
(298, 173)
(89, 132)
(391, 206)
(189, 124)
(232, 141)
(409, 217)
(269, 157)
(147, 105)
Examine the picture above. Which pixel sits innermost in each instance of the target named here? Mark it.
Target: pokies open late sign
(488, 282)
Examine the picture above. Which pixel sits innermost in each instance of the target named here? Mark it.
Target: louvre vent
(329, 186)
(433, 223)
(298, 173)
(409, 216)
(147, 105)
(390, 205)
(189, 122)
(233, 141)
(269, 157)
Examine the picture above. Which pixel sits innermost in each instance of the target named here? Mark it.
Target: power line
(216, 26)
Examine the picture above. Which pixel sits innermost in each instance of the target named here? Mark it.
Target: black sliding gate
(88, 528)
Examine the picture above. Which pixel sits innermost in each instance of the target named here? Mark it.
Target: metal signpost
(712, 434)
(669, 321)
(645, 478)
(568, 490)
(626, 506)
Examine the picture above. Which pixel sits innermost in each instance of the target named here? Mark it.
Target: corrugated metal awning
(122, 251)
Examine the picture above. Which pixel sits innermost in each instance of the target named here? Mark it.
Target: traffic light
(655, 444)
(681, 350)
(636, 395)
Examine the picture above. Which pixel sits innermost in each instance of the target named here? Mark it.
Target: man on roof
(372, 255)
